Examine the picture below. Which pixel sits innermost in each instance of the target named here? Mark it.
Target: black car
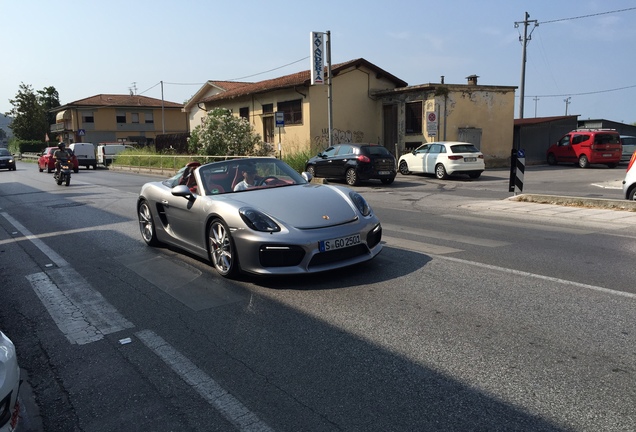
(354, 163)
(6, 159)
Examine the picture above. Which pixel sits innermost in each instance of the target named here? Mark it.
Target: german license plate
(384, 172)
(470, 159)
(607, 155)
(338, 243)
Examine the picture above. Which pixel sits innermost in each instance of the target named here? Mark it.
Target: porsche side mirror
(182, 191)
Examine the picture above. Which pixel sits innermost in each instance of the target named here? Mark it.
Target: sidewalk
(619, 212)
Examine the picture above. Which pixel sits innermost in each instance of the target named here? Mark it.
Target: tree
(222, 134)
(49, 99)
(31, 118)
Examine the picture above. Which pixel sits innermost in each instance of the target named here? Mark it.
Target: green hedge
(25, 146)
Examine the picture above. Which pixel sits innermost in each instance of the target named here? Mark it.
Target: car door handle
(165, 203)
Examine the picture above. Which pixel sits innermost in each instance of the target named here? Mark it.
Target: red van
(587, 146)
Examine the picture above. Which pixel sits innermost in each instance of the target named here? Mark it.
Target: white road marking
(230, 407)
(537, 276)
(84, 316)
(81, 313)
(445, 236)
(417, 246)
(53, 256)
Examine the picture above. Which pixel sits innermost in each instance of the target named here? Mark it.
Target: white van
(85, 153)
(106, 152)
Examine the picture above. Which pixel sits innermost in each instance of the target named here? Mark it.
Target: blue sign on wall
(280, 119)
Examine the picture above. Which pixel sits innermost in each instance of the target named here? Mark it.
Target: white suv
(629, 184)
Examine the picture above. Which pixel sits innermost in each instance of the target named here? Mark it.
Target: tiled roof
(296, 79)
(229, 85)
(110, 100)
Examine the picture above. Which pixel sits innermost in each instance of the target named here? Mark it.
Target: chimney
(472, 79)
(442, 79)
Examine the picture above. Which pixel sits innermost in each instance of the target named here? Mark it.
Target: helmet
(61, 145)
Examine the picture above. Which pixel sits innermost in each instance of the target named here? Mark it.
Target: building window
(121, 118)
(134, 117)
(414, 117)
(293, 111)
(244, 113)
(87, 117)
(148, 117)
(268, 109)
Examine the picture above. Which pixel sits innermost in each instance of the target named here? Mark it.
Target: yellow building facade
(118, 118)
(369, 104)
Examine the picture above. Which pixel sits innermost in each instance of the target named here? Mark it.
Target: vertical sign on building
(317, 58)
(431, 123)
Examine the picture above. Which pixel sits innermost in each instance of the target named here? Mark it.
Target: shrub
(223, 134)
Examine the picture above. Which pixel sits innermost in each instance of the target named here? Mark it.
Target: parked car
(106, 153)
(444, 158)
(282, 225)
(85, 154)
(587, 146)
(46, 161)
(7, 160)
(629, 184)
(354, 163)
(9, 385)
(629, 147)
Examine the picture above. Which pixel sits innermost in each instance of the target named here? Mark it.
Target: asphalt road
(472, 318)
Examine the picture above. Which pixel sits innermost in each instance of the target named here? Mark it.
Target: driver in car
(249, 178)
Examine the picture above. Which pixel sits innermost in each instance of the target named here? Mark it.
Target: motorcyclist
(61, 154)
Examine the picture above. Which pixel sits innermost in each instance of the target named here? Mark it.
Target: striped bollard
(520, 168)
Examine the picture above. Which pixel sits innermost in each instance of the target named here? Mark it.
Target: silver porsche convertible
(258, 215)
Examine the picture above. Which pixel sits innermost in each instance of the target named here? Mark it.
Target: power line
(585, 93)
(233, 79)
(271, 70)
(587, 16)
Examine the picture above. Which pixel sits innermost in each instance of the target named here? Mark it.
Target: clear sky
(578, 52)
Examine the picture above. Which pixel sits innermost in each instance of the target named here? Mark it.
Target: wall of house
(356, 115)
(106, 129)
(488, 109)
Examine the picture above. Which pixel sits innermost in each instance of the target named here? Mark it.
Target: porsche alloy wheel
(147, 224)
(221, 249)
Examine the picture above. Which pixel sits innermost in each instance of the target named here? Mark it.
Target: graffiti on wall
(338, 136)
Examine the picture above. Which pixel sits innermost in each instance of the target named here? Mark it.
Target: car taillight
(631, 161)
(456, 157)
(363, 158)
(481, 156)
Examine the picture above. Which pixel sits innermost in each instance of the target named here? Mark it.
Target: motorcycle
(64, 174)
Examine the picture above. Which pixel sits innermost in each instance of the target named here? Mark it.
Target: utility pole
(524, 43)
(567, 102)
(329, 90)
(536, 99)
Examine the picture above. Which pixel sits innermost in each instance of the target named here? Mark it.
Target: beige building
(368, 105)
(479, 114)
(304, 108)
(118, 118)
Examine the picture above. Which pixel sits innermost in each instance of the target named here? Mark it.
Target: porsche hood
(312, 205)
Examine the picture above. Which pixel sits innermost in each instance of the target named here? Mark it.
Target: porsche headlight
(360, 203)
(258, 221)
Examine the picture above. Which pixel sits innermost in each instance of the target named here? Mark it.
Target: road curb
(598, 203)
